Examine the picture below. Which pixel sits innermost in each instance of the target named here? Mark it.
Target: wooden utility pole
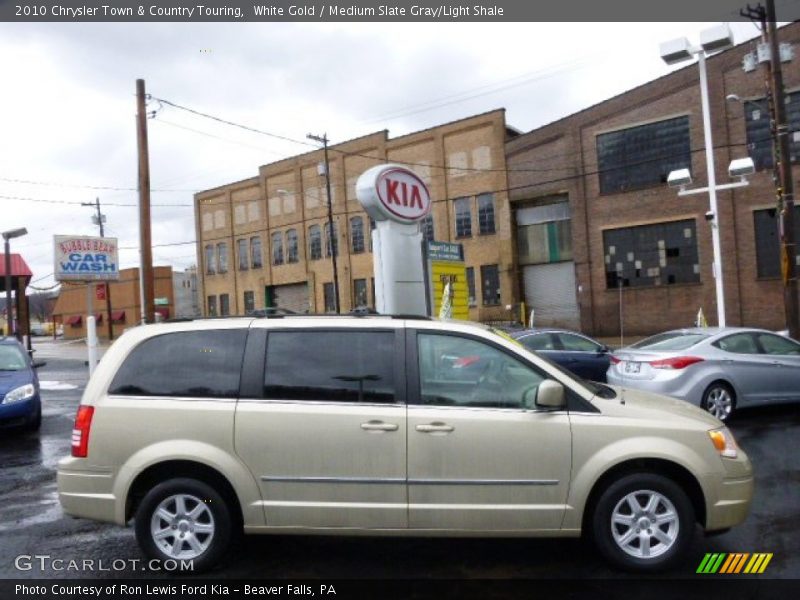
(99, 216)
(785, 190)
(145, 240)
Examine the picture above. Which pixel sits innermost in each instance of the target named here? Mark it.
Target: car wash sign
(84, 258)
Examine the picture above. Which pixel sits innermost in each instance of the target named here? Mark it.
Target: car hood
(630, 402)
(12, 379)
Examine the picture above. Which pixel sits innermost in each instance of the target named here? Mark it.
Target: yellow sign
(442, 272)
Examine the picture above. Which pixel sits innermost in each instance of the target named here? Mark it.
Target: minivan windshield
(11, 358)
(670, 341)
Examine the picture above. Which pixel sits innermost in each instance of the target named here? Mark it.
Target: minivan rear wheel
(643, 522)
(184, 520)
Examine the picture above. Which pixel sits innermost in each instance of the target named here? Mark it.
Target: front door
(480, 457)
(326, 440)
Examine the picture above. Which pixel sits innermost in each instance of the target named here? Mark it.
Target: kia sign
(83, 258)
(392, 192)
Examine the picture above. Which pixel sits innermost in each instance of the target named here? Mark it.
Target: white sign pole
(397, 199)
(91, 329)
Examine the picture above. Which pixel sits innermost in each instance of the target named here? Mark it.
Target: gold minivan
(379, 425)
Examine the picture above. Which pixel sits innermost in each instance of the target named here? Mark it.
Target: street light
(7, 235)
(674, 51)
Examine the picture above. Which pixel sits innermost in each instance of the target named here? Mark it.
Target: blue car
(20, 402)
(575, 352)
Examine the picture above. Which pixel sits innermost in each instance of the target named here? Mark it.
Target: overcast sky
(68, 106)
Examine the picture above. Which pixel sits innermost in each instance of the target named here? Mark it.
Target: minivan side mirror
(550, 395)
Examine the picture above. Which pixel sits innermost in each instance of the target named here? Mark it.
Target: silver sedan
(719, 369)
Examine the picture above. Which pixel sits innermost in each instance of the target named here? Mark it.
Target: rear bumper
(86, 493)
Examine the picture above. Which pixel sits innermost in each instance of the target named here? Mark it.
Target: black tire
(629, 555)
(717, 398)
(214, 512)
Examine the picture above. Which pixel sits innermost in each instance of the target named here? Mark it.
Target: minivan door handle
(378, 426)
(435, 428)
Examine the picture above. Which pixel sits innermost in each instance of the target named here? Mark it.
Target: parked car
(20, 402)
(576, 352)
(368, 424)
(717, 369)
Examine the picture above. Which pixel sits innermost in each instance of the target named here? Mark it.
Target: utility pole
(784, 186)
(145, 241)
(331, 231)
(99, 219)
(785, 191)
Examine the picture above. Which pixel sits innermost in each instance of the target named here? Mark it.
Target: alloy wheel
(645, 524)
(182, 526)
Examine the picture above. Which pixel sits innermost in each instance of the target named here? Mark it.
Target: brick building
(591, 211)
(264, 241)
(71, 307)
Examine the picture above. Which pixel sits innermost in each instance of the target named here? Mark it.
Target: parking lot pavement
(32, 523)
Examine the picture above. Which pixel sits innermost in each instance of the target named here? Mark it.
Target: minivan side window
(456, 371)
(193, 364)
(330, 366)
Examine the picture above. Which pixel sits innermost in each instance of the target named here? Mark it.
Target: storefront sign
(84, 258)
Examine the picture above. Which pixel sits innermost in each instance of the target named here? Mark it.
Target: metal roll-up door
(550, 292)
(293, 297)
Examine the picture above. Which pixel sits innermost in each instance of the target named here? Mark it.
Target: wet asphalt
(32, 523)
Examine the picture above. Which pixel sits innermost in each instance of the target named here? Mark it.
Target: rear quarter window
(193, 364)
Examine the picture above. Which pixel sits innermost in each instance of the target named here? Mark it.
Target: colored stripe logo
(734, 563)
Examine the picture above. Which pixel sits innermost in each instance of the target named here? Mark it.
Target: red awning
(98, 318)
(75, 320)
(19, 267)
(118, 316)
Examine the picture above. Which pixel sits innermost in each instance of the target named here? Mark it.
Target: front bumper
(19, 412)
(732, 494)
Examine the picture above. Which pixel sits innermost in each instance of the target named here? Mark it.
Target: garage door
(550, 292)
(294, 297)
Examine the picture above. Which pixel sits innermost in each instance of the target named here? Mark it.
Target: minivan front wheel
(643, 522)
(184, 520)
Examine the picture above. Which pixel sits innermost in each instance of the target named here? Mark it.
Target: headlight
(24, 392)
(723, 441)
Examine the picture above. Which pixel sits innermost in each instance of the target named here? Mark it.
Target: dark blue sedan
(575, 352)
(20, 403)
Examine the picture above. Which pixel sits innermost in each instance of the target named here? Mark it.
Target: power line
(89, 187)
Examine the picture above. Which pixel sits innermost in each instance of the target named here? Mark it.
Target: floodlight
(741, 167)
(679, 178)
(716, 38)
(675, 51)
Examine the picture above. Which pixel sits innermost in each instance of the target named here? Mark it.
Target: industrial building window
(249, 302)
(647, 255)
(291, 246)
(371, 229)
(212, 306)
(328, 297)
(224, 305)
(314, 242)
(426, 228)
(768, 253)
(490, 285)
(222, 257)
(643, 156)
(471, 287)
(486, 214)
(360, 292)
(210, 270)
(277, 248)
(255, 252)
(244, 256)
(463, 217)
(759, 134)
(331, 240)
(357, 234)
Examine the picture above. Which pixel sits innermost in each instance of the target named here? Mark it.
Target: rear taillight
(80, 433)
(678, 362)
(614, 360)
